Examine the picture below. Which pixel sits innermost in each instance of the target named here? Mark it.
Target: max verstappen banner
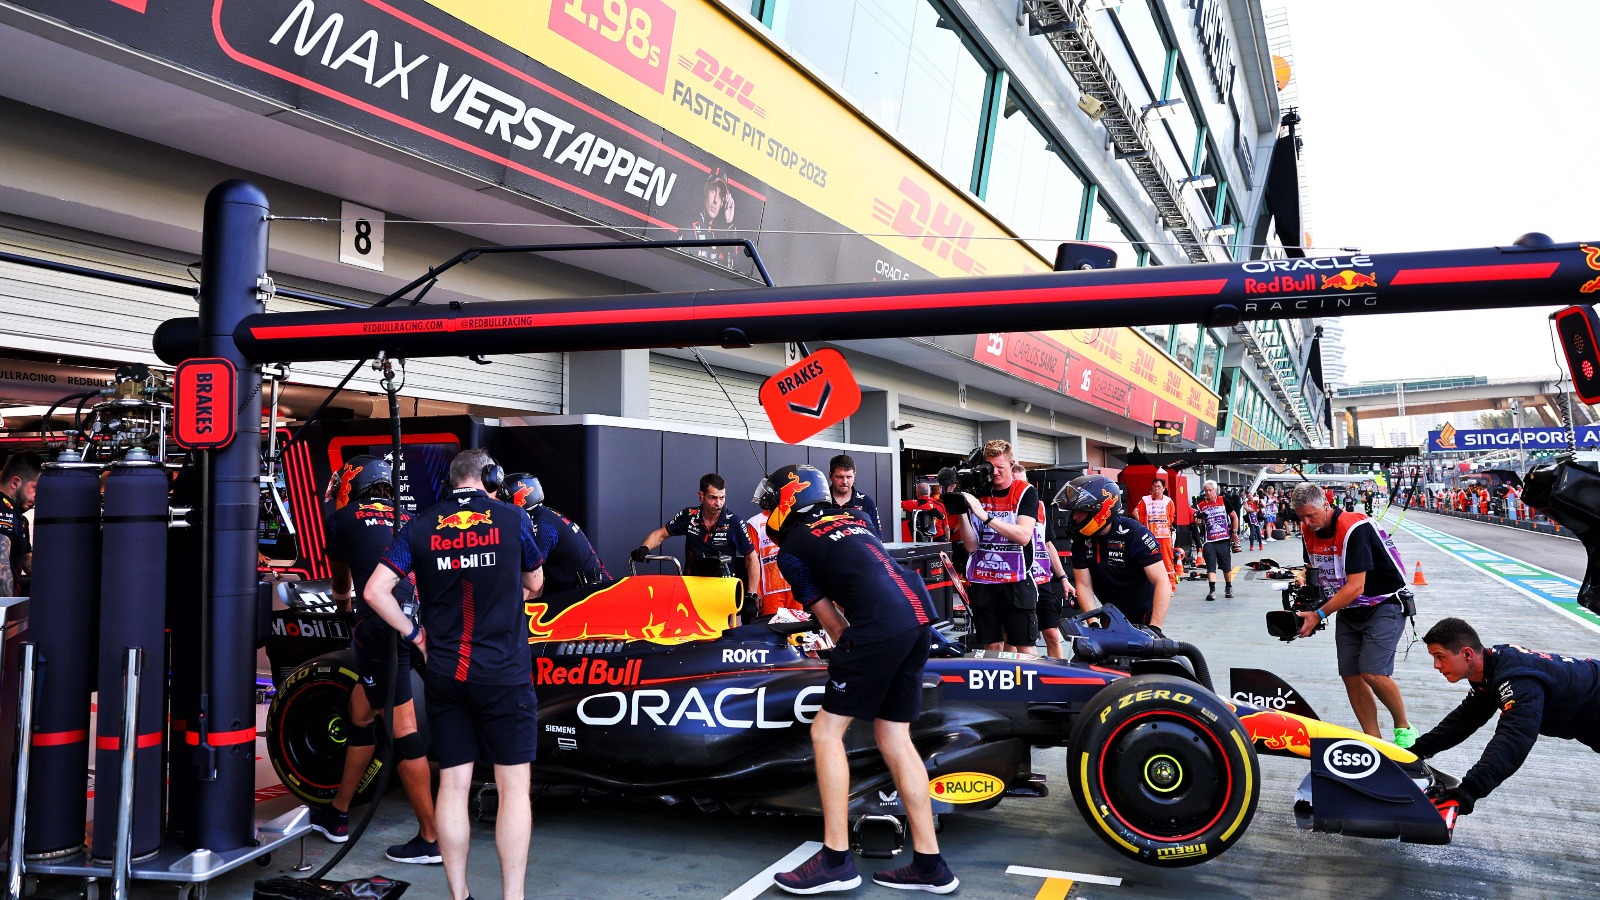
(668, 115)
(1454, 440)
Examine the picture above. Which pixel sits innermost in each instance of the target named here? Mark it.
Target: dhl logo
(464, 519)
(1349, 280)
(706, 68)
(941, 229)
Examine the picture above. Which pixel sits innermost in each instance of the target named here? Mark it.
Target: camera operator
(997, 533)
(1361, 573)
(1115, 560)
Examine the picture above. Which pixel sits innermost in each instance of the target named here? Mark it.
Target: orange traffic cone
(1417, 578)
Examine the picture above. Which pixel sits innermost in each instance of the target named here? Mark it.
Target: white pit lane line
(758, 885)
(1070, 876)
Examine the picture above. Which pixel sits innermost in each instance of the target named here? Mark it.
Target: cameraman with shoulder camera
(997, 532)
(1361, 574)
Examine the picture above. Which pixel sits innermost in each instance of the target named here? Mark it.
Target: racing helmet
(371, 477)
(1096, 495)
(788, 491)
(524, 490)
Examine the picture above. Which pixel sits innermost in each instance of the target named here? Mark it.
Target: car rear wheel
(306, 730)
(1162, 771)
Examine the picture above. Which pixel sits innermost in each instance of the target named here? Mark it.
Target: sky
(1435, 125)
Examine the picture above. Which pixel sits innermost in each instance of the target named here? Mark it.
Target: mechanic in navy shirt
(878, 614)
(18, 482)
(1534, 693)
(1115, 560)
(569, 558)
(842, 484)
(709, 531)
(476, 565)
(358, 534)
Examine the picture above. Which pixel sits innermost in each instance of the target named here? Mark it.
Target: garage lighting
(1162, 109)
(1198, 182)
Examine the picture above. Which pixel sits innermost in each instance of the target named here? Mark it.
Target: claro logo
(1351, 759)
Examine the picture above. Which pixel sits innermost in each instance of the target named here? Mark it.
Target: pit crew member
(997, 533)
(1055, 585)
(1218, 525)
(358, 534)
(842, 484)
(775, 591)
(1156, 512)
(1534, 693)
(476, 565)
(1115, 560)
(879, 616)
(18, 482)
(569, 559)
(709, 532)
(1361, 573)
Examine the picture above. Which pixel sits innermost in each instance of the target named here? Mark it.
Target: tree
(1495, 418)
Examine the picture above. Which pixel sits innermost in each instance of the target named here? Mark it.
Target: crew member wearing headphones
(358, 533)
(476, 565)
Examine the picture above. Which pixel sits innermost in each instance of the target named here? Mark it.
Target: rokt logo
(1352, 760)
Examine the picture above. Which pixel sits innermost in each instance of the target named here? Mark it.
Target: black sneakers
(909, 878)
(415, 850)
(334, 825)
(815, 876)
(1228, 594)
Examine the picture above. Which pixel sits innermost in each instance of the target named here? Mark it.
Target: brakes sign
(810, 395)
(204, 411)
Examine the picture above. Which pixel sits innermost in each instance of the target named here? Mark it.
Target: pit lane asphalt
(1531, 838)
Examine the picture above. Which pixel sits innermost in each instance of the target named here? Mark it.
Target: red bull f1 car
(648, 688)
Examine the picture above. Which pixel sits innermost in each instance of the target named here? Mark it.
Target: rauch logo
(965, 787)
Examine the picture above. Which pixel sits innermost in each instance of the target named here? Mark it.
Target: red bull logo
(1276, 731)
(347, 475)
(786, 495)
(656, 608)
(1349, 280)
(520, 497)
(464, 519)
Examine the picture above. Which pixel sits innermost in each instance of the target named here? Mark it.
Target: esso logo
(1351, 759)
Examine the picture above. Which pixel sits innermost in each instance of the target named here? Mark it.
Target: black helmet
(790, 490)
(371, 476)
(1096, 495)
(522, 490)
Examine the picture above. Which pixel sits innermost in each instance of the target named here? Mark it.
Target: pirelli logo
(1183, 852)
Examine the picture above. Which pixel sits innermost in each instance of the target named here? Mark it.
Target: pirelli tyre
(1162, 771)
(306, 729)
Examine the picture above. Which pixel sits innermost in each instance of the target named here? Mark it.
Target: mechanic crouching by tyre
(997, 533)
(1534, 693)
(879, 616)
(1361, 574)
(569, 559)
(358, 534)
(476, 564)
(1115, 560)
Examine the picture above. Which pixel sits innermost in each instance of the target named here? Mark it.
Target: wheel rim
(1165, 776)
(311, 736)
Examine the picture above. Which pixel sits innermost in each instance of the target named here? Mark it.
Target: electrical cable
(749, 441)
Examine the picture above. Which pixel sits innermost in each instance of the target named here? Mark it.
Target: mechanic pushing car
(709, 533)
(1362, 575)
(358, 534)
(569, 558)
(1535, 693)
(476, 564)
(879, 616)
(1115, 560)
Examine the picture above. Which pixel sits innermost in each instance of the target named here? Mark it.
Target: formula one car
(649, 689)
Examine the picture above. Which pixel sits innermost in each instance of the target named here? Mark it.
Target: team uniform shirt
(864, 505)
(1534, 693)
(15, 526)
(1042, 547)
(1356, 544)
(997, 560)
(358, 535)
(1213, 516)
(1116, 558)
(569, 558)
(836, 555)
(923, 521)
(775, 589)
(469, 552)
(1156, 515)
(726, 537)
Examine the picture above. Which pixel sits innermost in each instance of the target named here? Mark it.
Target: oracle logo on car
(1351, 759)
(966, 787)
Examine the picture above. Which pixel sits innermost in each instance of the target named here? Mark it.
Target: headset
(492, 477)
